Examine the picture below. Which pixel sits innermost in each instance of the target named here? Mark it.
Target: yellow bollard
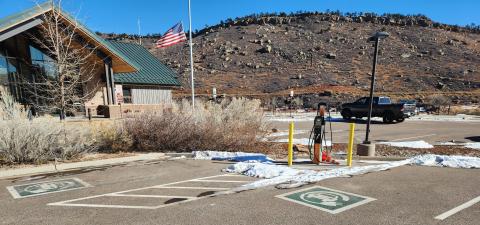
(350, 144)
(290, 144)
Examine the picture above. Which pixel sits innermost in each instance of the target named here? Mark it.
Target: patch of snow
(289, 177)
(446, 161)
(408, 144)
(208, 155)
(232, 156)
(285, 133)
(474, 145)
(304, 141)
(290, 119)
(447, 143)
(440, 118)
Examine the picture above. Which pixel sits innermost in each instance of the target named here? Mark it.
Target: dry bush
(468, 111)
(111, 137)
(234, 125)
(40, 140)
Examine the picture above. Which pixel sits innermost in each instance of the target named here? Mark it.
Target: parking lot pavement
(177, 192)
(410, 130)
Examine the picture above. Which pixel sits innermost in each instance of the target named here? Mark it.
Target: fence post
(350, 144)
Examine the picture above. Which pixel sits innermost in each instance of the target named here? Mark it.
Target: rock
(243, 53)
(440, 85)
(331, 55)
(405, 55)
(266, 49)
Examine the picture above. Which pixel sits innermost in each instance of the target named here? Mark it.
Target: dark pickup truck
(382, 107)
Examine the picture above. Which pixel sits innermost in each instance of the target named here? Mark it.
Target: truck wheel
(388, 117)
(346, 114)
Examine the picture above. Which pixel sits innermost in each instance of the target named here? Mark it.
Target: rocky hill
(327, 54)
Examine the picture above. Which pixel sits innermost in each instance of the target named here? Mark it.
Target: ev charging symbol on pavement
(326, 198)
(46, 187)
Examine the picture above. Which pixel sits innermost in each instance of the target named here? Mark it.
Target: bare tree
(69, 64)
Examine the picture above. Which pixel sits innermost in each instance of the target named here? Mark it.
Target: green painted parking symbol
(326, 199)
(47, 187)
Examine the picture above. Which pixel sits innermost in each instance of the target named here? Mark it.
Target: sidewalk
(61, 167)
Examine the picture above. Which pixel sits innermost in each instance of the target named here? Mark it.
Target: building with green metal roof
(128, 73)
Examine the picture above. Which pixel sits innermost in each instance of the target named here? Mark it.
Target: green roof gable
(151, 71)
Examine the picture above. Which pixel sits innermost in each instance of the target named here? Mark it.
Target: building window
(3, 70)
(127, 95)
(42, 63)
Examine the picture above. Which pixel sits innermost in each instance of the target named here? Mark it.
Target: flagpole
(191, 55)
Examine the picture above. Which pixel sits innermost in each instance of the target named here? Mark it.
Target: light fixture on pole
(191, 55)
(376, 38)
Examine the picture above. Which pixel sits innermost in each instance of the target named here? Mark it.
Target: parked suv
(382, 107)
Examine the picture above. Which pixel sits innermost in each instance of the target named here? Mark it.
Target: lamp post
(376, 38)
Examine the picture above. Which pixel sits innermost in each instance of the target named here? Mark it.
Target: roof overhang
(33, 18)
(19, 28)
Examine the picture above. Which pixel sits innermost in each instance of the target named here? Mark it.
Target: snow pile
(446, 161)
(304, 141)
(277, 174)
(408, 144)
(232, 156)
(289, 177)
(450, 143)
(474, 145)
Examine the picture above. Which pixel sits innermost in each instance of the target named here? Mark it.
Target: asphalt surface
(404, 195)
(409, 130)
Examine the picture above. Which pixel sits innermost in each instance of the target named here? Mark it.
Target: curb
(63, 167)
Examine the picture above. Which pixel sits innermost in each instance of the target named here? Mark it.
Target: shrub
(111, 137)
(234, 125)
(42, 140)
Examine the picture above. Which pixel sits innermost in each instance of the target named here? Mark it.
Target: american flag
(173, 36)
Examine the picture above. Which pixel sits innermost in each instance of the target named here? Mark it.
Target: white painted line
(233, 175)
(458, 209)
(104, 206)
(149, 196)
(221, 181)
(415, 137)
(165, 186)
(193, 188)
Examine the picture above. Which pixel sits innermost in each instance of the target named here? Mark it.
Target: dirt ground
(279, 150)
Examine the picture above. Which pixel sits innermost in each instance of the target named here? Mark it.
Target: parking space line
(105, 206)
(150, 196)
(162, 186)
(194, 188)
(458, 209)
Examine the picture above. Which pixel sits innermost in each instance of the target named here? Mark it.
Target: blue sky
(156, 16)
